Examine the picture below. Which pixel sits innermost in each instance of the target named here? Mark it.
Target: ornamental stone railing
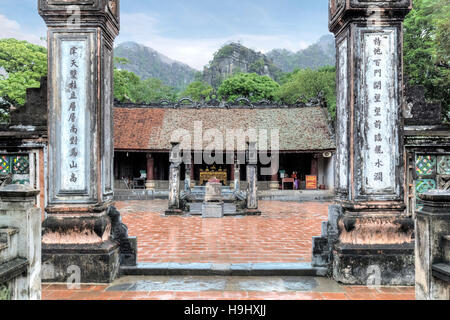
(433, 246)
(20, 243)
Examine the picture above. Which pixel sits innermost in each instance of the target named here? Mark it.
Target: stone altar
(213, 206)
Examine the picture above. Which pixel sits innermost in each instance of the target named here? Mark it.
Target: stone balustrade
(20, 243)
(433, 247)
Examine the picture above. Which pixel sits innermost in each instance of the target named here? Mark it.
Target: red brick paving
(282, 234)
(60, 292)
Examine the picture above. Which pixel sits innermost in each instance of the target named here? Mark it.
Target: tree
(23, 64)
(153, 90)
(308, 84)
(125, 83)
(427, 49)
(197, 91)
(128, 87)
(248, 85)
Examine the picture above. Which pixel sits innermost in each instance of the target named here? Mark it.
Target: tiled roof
(300, 129)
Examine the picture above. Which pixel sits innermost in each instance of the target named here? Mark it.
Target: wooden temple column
(192, 174)
(231, 168)
(375, 234)
(315, 165)
(150, 184)
(80, 216)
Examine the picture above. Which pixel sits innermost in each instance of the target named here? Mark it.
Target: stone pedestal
(20, 214)
(213, 206)
(77, 231)
(432, 247)
(375, 232)
(213, 210)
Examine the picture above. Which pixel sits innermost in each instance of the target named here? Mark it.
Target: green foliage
(128, 87)
(427, 49)
(248, 85)
(25, 64)
(5, 293)
(308, 84)
(120, 61)
(197, 91)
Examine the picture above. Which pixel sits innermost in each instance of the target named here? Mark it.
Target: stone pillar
(150, 183)
(192, 172)
(433, 247)
(237, 175)
(174, 180)
(188, 173)
(20, 215)
(252, 180)
(375, 241)
(80, 177)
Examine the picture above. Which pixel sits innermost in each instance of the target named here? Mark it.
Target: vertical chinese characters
(73, 116)
(73, 121)
(379, 81)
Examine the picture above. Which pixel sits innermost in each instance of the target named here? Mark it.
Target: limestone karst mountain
(149, 63)
(322, 53)
(234, 58)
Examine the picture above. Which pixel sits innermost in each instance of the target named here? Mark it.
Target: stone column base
(385, 265)
(96, 263)
(251, 212)
(274, 185)
(150, 185)
(173, 212)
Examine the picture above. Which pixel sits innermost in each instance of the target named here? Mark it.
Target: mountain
(321, 53)
(149, 63)
(233, 58)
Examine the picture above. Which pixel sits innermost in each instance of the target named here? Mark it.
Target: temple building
(143, 134)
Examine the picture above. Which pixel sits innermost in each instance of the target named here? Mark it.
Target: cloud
(196, 52)
(12, 29)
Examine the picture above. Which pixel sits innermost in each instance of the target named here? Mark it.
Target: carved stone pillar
(252, 180)
(174, 180)
(375, 234)
(188, 173)
(150, 183)
(80, 177)
(237, 175)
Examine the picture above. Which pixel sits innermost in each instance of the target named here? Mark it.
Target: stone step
(12, 269)
(8, 244)
(446, 244)
(196, 208)
(442, 271)
(212, 269)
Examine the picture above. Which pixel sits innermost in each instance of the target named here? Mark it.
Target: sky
(191, 31)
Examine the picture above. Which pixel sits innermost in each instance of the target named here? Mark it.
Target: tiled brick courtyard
(282, 234)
